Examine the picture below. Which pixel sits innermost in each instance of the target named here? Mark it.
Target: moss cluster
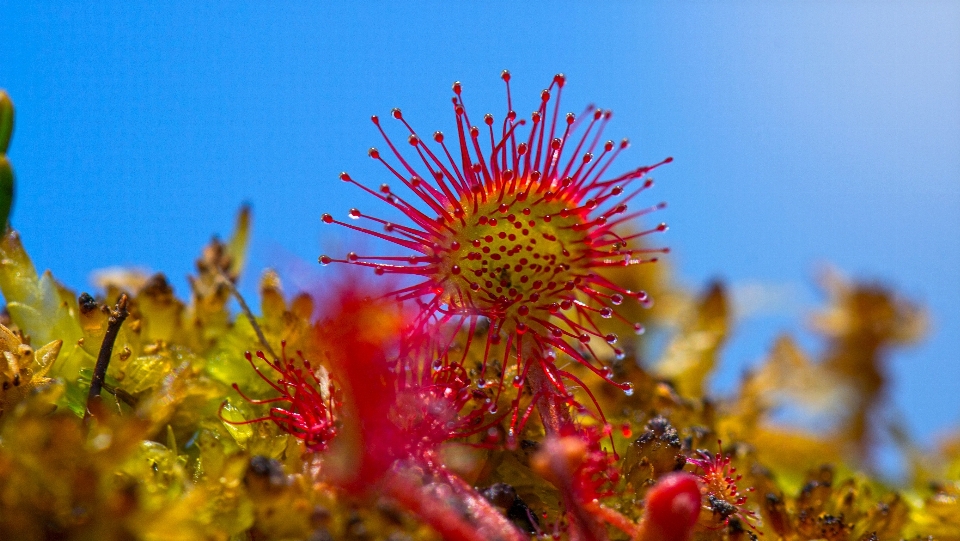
(170, 451)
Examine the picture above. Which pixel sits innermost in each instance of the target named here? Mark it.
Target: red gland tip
(672, 507)
(505, 75)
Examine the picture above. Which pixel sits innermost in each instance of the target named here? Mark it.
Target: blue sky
(803, 133)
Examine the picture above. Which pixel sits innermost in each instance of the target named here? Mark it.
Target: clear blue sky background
(803, 132)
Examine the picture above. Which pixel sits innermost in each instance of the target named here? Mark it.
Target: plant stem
(483, 512)
(481, 523)
(248, 313)
(117, 315)
(553, 409)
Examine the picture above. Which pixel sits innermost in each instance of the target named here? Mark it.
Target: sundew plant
(485, 372)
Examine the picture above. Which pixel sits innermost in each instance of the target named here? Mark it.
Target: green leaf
(6, 191)
(6, 121)
(40, 307)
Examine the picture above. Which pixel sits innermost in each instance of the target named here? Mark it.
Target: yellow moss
(160, 461)
(692, 355)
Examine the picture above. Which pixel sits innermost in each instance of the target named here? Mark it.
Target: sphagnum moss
(489, 405)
